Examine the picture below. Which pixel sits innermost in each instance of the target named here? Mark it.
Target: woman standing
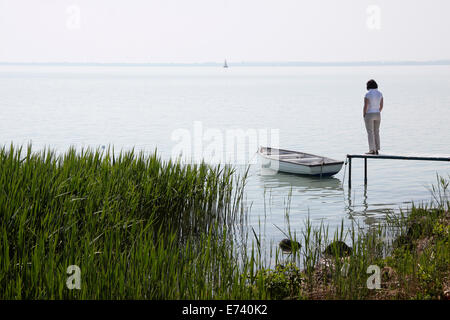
(373, 104)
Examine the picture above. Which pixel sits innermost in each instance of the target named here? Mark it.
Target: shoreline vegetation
(139, 227)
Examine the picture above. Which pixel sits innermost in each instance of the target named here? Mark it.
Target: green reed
(138, 227)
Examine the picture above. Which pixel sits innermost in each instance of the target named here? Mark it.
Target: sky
(189, 31)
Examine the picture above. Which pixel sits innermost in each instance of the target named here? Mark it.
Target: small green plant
(282, 282)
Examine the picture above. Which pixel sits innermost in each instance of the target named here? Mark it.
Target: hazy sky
(211, 30)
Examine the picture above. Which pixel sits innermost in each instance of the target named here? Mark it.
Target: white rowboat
(298, 162)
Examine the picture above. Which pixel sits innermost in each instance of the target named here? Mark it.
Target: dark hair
(371, 84)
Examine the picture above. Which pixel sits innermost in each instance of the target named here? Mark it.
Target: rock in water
(338, 248)
(288, 245)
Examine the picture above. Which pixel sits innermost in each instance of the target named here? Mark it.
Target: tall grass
(137, 227)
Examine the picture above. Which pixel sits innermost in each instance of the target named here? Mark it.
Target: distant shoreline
(237, 64)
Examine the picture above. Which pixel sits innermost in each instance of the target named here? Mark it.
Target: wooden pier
(381, 156)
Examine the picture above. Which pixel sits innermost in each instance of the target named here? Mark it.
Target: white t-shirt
(374, 96)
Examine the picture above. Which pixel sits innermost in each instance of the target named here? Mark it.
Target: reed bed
(139, 227)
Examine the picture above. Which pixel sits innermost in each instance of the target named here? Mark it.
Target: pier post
(349, 172)
(365, 171)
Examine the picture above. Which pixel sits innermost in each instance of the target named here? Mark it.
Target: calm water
(316, 109)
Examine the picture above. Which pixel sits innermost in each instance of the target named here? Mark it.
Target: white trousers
(372, 121)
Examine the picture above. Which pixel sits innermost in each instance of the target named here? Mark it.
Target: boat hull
(268, 163)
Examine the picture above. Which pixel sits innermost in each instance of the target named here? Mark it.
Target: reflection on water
(363, 211)
(324, 200)
(282, 180)
(325, 190)
(312, 187)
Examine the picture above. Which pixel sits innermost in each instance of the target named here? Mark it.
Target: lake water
(316, 109)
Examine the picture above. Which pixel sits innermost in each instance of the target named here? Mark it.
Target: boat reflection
(310, 183)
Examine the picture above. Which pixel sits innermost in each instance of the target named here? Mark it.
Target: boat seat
(310, 159)
(296, 156)
(290, 156)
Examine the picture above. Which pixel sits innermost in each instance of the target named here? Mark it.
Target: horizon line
(243, 63)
